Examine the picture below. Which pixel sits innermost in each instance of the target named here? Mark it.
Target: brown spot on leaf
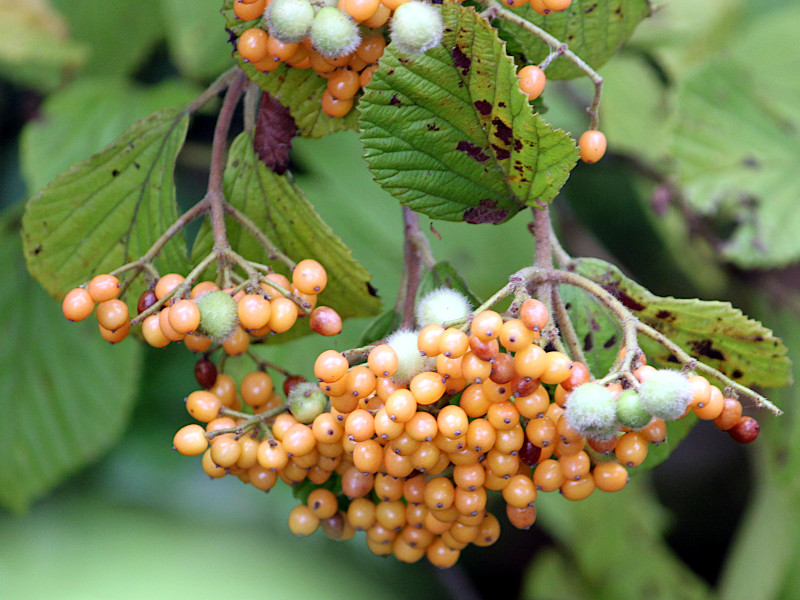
(500, 153)
(706, 348)
(751, 162)
(626, 300)
(737, 374)
(115, 172)
(664, 315)
(485, 213)
(503, 131)
(588, 342)
(432, 127)
(483, 107)
(610, 342)
(461, 60)
(275, 129)
(590, 9)
(394, 100)
(473, 151)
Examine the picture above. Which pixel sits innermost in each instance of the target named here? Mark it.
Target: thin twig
(413, 262)
(497, 10)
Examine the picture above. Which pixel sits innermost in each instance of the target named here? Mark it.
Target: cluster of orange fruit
(411, 459)
(205, 314)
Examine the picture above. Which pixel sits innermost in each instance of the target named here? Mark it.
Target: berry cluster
(172, 310)
(341, 43)
(407, 441)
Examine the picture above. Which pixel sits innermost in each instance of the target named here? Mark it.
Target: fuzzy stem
(416, 254)
(251, 422)
(222, 82)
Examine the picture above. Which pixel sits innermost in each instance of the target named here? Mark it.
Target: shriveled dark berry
(205, 372)
(745, 431)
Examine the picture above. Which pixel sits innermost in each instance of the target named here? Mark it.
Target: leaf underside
(282, 212)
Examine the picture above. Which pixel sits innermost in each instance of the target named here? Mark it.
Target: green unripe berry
(410, 361)
(416, 27)
(442, 305)
(306, 401)
(289, 20)
(334, 33)
(218, 315)
(666, 394)
(630, 411)
(591, 410)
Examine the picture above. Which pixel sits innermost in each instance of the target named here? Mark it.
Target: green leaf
(109, 209)
(614, 546)
(120, 38)
(300, 90)
(233, 23)
(279, 208)
(599, 334)
(593, 29)
(713, 332)
(445, 275)
(35, 46)
(380, 327)
(81, 119)
(634, 121)
(451, 135)
(197, 38)
(734, 144)
(66, 394)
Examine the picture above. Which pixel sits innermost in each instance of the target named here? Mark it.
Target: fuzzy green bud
(442, 305)
(416, 27)
(591, 410)
(666, 394)
(289, 20)
(306, 401)
(630, 411)
(218, 315)
(410, 361)
(334, 33)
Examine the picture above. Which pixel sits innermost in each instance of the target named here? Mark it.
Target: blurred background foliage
(696, 198)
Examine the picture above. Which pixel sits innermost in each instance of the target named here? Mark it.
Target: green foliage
(713, 332)
(196, 37)
(594, 29)
(742, 185)
(120, 39)
(282, 212)
(609, 547)
(450, 134)
(81, 119)
(445, 274)
(380, 327)
(66, 394)
(300, 90)
(35, 47)
(109, 209)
